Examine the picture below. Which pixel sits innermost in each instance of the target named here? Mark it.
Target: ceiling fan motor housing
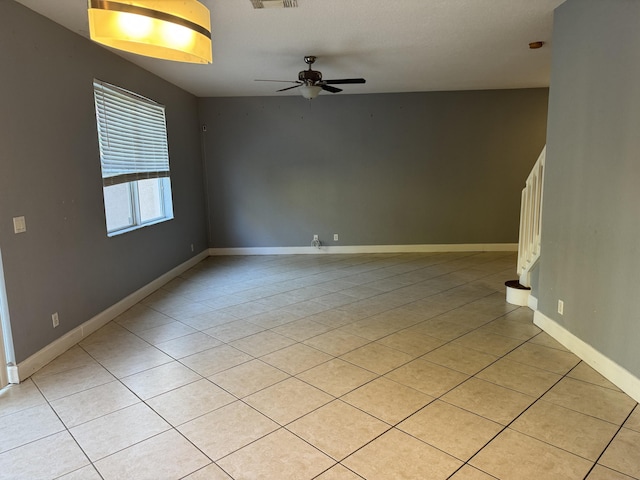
(310, 77)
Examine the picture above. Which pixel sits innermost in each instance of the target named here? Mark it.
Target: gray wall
(591, 225)
(392, 169)
(50, 173)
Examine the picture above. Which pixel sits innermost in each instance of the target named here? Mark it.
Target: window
(134, 158)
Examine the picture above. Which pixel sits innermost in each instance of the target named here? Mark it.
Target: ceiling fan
(311, 83)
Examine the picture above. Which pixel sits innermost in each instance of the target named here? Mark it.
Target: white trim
(4, 375)
(467, 247)
(616, 374)
(533, 303)
(6, 342)
(39, 359)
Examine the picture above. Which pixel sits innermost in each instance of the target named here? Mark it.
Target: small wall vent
(274, 3)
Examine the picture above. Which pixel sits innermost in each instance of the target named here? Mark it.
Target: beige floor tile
(306, 308)
(633, 422)
(210, 472)
(337, 377)
(21, 396)
(159, 380)
(603, 473)
(140, 317)
(335, 300)
(228, 332)
(296, 358)
(209, 320)
(188, 345)
(584, 372)
(387, 400)
(519, 377)
(72, 381)
(370, 329)
(336, 342)
(547, 340)
(451, 429)
(273, 318)
(427, 377)
(377, 358)
(468, 472)
(27, 426)
(262, 343)
(441, 329)
(508, 328)
(166, 332)
(487, 342)
(288, 400)
(489, 400)
(190, 401)
(167, 455)
(84, 473)
(546, 358)
(334, 318)
(215, 360)
(73, 358)
(412, 343)
(248, 378)
(123, 363)
(95, 402)
(514, 455)
(574, 432)
(278, 456)
(227, 429)
(302, 329)
(338, 473)
(468, 316)
(337, 429)
(462, 359)
(47, 458)
(623, 455)
(590, 399)
(398, 455)
(118, 430)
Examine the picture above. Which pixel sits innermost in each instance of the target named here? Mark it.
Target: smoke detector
(274, 3)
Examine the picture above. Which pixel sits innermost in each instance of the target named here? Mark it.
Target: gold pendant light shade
(178, 30)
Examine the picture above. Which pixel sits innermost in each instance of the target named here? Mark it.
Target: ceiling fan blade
(288, 88)
(330, 89)
(281, 81)
(345, 81)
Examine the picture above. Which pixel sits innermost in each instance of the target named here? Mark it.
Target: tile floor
(333, 367)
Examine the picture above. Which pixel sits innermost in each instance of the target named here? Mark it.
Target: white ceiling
(397, 45)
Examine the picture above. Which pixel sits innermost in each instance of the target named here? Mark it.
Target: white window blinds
(132, 135)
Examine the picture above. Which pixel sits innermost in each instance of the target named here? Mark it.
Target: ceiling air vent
(274, 3)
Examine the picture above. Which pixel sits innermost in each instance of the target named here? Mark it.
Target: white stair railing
(530, 221)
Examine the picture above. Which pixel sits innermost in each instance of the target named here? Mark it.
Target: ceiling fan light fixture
(274, 3)
(310, 91)
(177, 30)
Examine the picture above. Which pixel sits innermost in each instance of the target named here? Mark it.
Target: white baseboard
(472, 247)
(533, 303)
(616, 374)
(56, 348)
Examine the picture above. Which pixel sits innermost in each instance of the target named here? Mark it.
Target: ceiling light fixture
(274, 3)
(310, 91)
(178, 30)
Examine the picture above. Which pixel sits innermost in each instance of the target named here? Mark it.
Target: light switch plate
(19, 225)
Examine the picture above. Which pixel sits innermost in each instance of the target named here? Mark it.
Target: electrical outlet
(315, 238)
(560, 307)
(335, 237)
(55, 320)
(192, 247)
(19, 225)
